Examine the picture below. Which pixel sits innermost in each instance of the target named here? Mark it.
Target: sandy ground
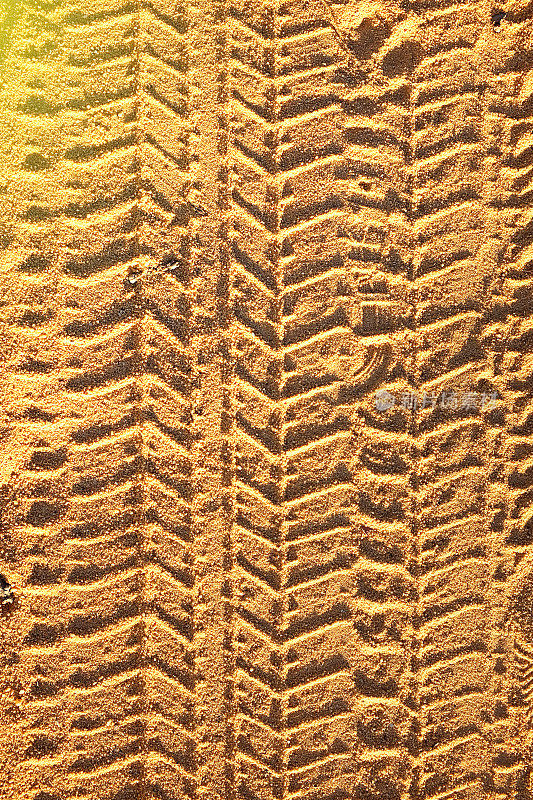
(266, 416)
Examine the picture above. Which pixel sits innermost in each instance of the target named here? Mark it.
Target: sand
(266, 415)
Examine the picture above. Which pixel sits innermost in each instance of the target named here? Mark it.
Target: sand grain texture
(224, 226)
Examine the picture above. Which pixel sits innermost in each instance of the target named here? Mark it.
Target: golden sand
(266, 415)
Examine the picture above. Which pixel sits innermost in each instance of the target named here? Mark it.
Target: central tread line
(138, 401)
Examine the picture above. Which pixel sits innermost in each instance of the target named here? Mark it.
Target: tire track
(224, 229)
(60, 601)
(454, 263)
(287, 696)
(511, 518)
(103, 652)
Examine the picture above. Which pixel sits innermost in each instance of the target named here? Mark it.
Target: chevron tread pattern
(224, 228)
